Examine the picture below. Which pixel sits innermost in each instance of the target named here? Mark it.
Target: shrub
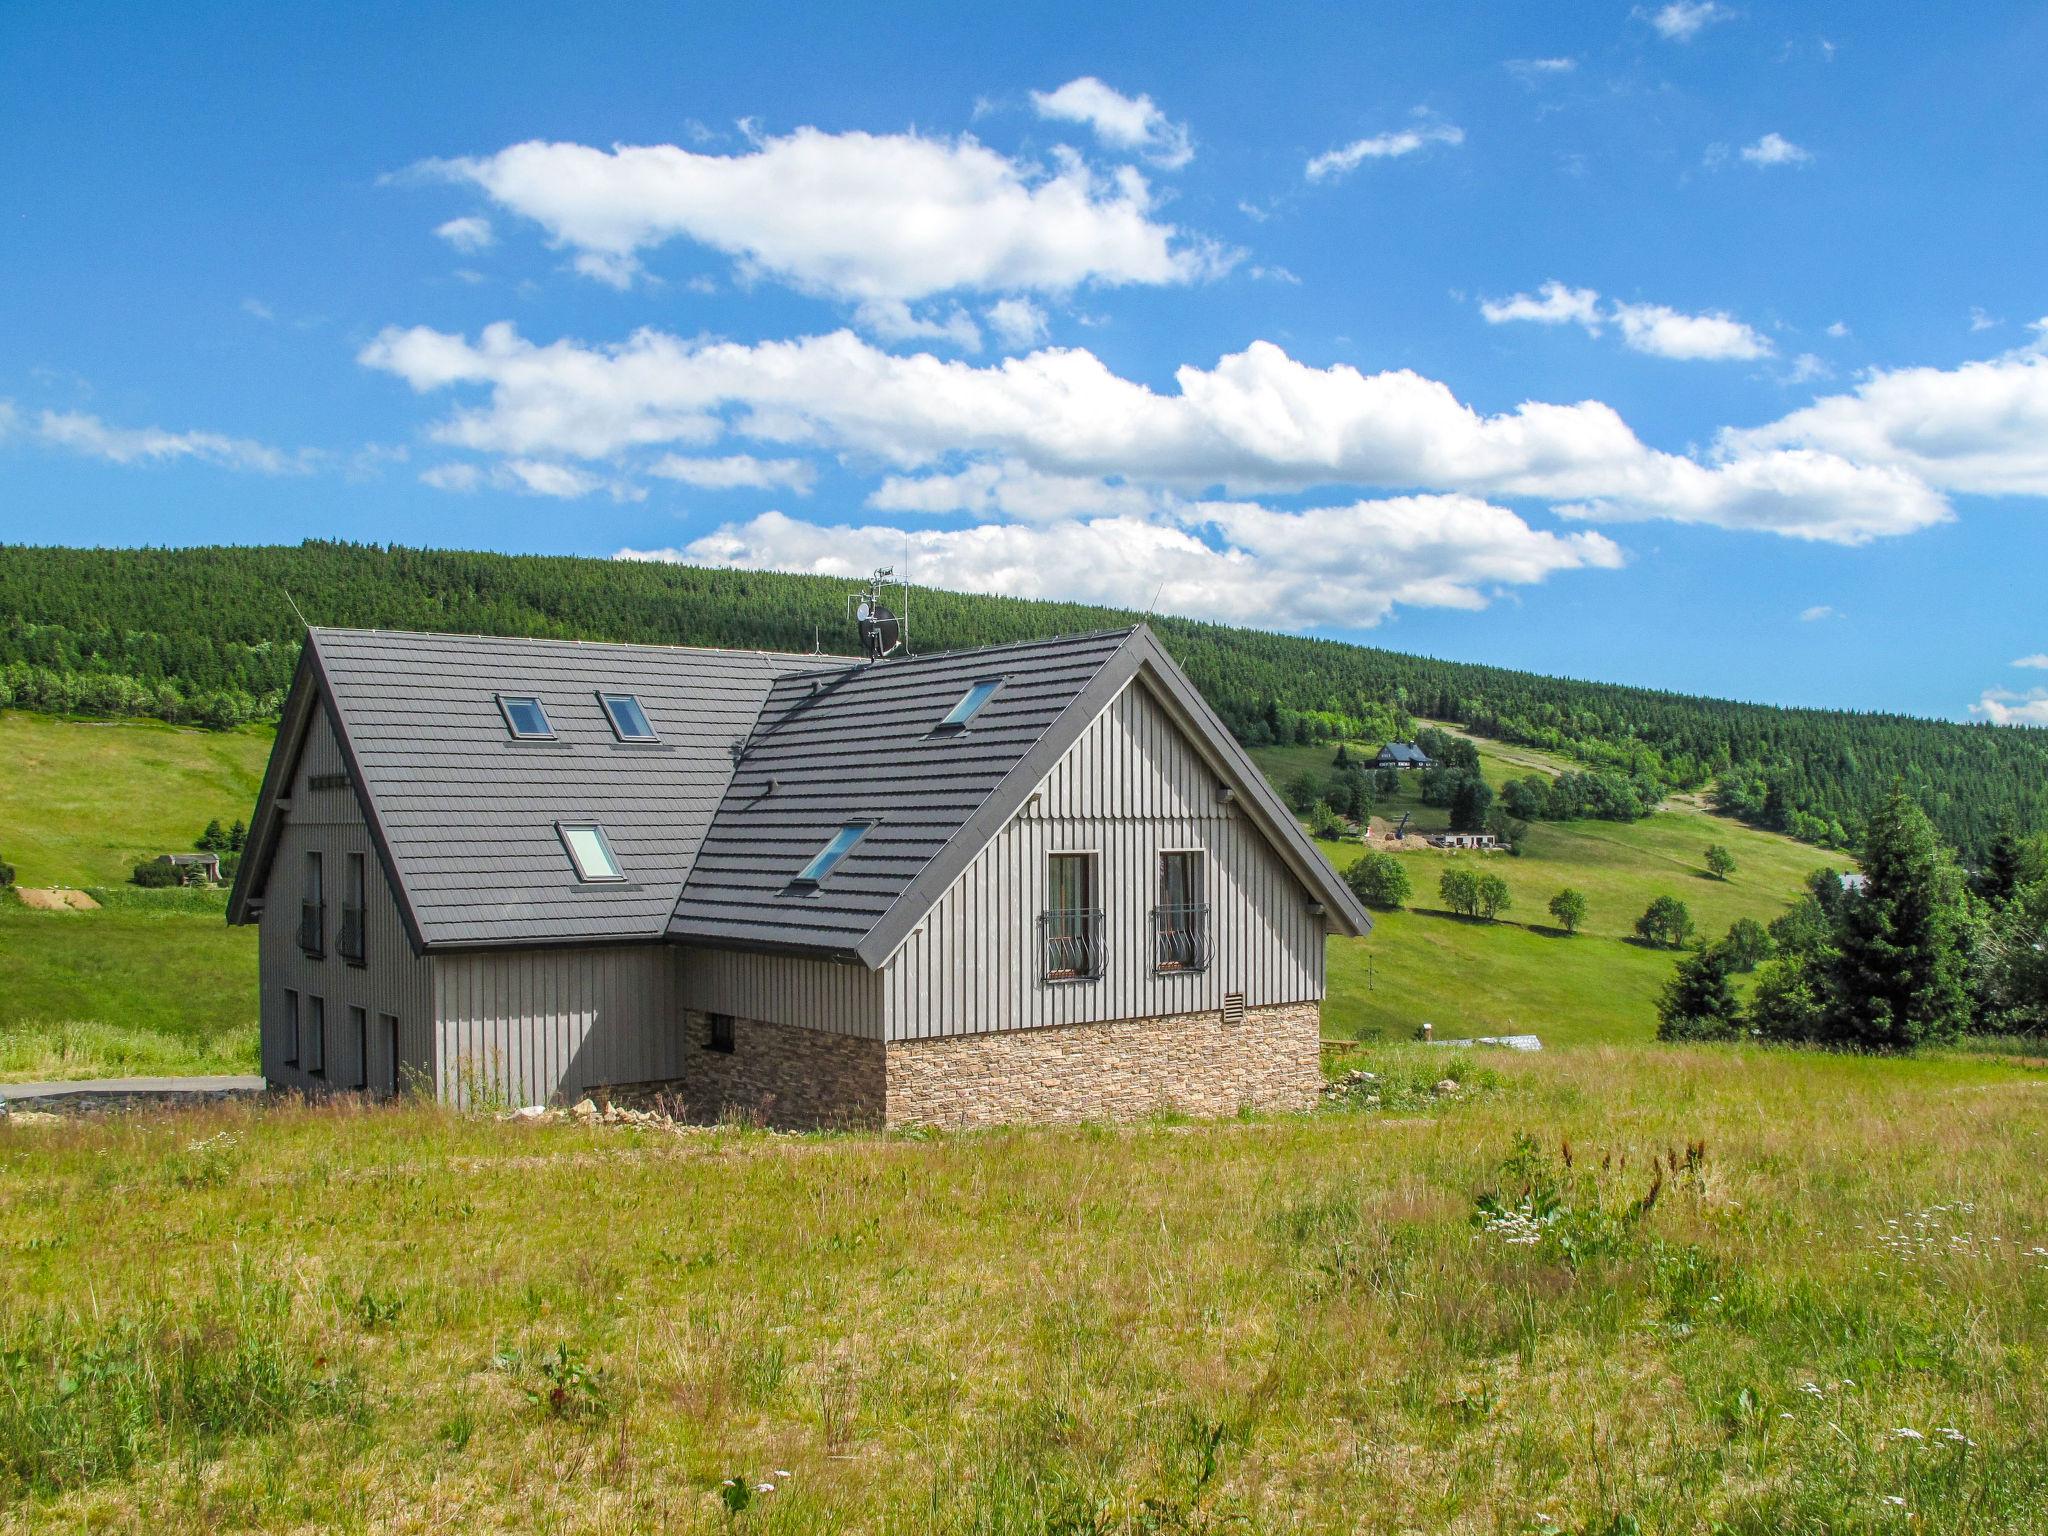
(1491, 895)
(1747, 944)
(6, 874)
(1325, 823)
(1380, 879)
(1459, 889)
(1667, 921)
(153, 875)
(1569, 908)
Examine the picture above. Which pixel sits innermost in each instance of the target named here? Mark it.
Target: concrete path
(168, 1090)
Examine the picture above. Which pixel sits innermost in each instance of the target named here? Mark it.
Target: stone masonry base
(786, 1076)
(1192, 1062)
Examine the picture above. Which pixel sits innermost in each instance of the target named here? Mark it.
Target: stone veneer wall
(1192, 1062)
(783, 1075)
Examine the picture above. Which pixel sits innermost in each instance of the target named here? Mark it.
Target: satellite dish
(880, 630)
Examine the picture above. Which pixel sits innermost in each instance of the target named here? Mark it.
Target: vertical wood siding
(784, 989)
(531, 1025)
(392, 980)
(1129, 789)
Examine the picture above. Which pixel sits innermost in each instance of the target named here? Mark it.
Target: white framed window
(525, 718)
(589, 850)
(1070, 928)
(629, 720)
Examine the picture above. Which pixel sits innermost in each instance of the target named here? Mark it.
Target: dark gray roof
(1402, 752)
(466, 815)
(866, 745)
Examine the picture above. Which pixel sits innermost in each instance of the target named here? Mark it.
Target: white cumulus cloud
(1775, 149)
(2001, 706)
(1257, 422)
(1683, 20)
(1017, 322)
(1818, 612)
(2038, 661)
(468, 234)
(1382, 146)
(1129, 123)
(1344, 566)
(739, 471)
(1656, 329)
(857, 216)
(79, 432)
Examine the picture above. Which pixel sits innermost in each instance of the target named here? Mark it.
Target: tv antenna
(883, 631)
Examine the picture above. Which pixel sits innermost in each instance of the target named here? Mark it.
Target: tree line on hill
(1914, 953)
(209, 636)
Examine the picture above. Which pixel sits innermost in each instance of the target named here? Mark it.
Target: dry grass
(451, 1324)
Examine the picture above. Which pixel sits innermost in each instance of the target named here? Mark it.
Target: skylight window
(590, 851)
(828, 857)
(524, 717)
(970, 704)
(629, 720)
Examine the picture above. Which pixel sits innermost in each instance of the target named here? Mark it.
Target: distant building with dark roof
(1403, 755)
(1038, 881)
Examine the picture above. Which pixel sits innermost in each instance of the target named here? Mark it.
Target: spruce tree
(1899, 976)
(1698, 1003)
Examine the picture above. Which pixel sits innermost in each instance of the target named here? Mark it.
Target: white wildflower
(1903, 1433)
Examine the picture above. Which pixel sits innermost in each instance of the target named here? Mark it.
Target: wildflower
(1895, 1501)
(1950, 1433)
(1811, 1389)
(1784, 1415)
(764, 1487)
(780, 1473)
(1903, 1433)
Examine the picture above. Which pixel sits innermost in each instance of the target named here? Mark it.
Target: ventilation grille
(1233, 1007)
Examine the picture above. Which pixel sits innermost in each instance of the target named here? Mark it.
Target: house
(192, 866)
(1483, 841)
(1403, 755)
(1037, 881)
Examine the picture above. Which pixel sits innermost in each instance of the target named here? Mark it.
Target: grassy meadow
(155, 982)
(1602, 1291)
(1521, 974)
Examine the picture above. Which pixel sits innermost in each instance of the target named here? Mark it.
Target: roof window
(524, 717)
(970, 704)
(828, 857)
(589, 850)
(629, 720)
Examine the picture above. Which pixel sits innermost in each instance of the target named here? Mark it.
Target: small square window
(827, 858)
(524, 717)
(590, 851)
(629, 720)
(722, 1033)
(970, 704)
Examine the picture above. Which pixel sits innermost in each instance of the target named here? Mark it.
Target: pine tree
(1698, 1003)
(1899, 976)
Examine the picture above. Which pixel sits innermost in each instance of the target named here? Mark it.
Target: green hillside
(209, 635)
(1520, 974)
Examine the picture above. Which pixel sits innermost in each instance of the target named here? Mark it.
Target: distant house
(1403, 755)
(192, 866)
(1854, 884)
(1038, 881)
(1479, 840)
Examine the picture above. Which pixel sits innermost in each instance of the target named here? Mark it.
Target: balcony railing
(313, 928)
(1180, 938)
(1071, 944)
(349, 942)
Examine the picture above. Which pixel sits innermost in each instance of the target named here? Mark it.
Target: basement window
(589, 850)
(828, 857)
(629, 720)
(525, 718)
(970, 704)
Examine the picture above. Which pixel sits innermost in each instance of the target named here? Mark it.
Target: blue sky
(1695, 345)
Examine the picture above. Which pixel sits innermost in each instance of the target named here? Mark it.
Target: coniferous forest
(210, 636)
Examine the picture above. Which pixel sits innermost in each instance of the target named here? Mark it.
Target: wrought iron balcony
(349, 942)
(313, 928)
(1180, 938)
(1071, 944)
